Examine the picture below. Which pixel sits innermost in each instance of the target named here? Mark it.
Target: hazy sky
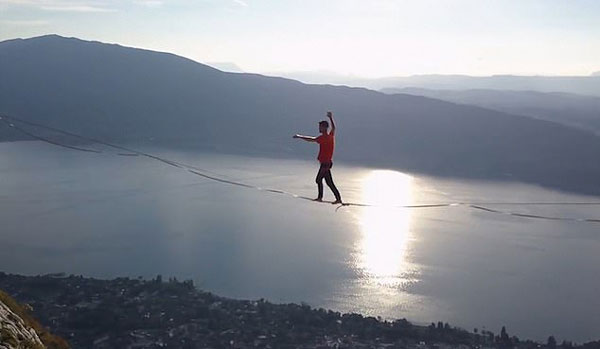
(361, 37)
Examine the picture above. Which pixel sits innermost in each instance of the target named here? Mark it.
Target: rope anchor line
(124, 151)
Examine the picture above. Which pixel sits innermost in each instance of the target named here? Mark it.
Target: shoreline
(560, 187)
(125, 312)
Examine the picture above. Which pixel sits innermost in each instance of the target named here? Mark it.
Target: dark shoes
(336, 202)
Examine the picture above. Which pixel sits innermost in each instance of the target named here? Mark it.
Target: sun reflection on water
(385, 230)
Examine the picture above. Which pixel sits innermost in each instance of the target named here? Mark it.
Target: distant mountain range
(585, 85)
(565, 108)
(131, 95)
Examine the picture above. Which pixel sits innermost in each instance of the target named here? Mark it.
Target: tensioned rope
(482, 206)
(43, 139)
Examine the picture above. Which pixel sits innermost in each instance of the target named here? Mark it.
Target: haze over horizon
(394, 38)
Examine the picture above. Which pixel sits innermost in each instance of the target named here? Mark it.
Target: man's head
(323, 126)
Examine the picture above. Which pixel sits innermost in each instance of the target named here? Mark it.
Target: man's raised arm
(330, 116)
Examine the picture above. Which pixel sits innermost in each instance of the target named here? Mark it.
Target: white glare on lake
(385, 230)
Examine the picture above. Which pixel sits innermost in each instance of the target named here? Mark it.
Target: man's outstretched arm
(330, 116)
(306, 138)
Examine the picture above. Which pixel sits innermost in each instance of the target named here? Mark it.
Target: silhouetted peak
(45, 44)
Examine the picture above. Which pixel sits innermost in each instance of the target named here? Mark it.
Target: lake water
(103, 215)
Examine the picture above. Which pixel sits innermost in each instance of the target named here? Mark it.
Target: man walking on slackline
(326, 144)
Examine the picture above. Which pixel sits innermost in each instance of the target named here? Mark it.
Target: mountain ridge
(572, 110)
(578, 84)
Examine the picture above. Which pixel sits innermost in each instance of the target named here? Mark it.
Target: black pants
(325, 172)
